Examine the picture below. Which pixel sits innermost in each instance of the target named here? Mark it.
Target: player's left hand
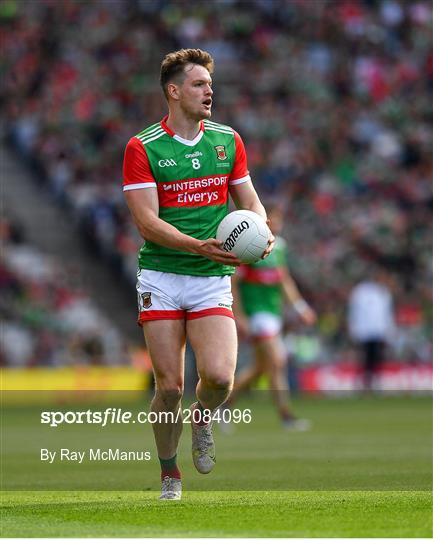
(308, 316)
(271, 242)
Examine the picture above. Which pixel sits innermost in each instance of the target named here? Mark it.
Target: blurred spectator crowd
(47, 319)
(332, 98)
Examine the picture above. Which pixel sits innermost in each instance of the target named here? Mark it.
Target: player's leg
(163, 322)
(262, 325)
(166, 344)
(269, 356)
(214, 341)
(373, 361)
(271, 350)
(165, 340)
(211, 331)
(248, 376)
(368, 350)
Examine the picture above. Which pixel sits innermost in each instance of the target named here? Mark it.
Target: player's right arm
(292, 294)
(142, 198)
(143, 205)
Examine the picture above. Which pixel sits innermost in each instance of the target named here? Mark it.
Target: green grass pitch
(364, 470)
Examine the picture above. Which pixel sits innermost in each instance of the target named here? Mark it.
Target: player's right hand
(308, 316)
(212, 249)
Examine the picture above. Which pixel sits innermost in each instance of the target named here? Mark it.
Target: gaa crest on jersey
(220, 150)
(146, 300)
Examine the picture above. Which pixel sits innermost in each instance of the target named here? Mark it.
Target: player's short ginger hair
(174, 63)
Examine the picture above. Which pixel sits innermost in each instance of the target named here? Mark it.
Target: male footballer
(178, 174)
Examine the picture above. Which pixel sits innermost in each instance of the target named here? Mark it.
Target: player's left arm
(242, 190)
(245, 198)
(291, 292)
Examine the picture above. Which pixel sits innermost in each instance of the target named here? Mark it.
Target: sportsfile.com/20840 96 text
(114, 415)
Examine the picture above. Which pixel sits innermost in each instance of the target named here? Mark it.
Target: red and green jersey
(260, 283)
(193, 180)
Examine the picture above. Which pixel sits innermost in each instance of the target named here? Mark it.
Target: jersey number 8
(195, 163)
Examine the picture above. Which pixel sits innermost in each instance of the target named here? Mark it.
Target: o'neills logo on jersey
(205, 191)
(229, 244)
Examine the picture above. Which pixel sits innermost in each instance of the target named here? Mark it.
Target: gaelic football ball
(245, 234)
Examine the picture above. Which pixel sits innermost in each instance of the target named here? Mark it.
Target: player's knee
(170, 394)
(220, 381)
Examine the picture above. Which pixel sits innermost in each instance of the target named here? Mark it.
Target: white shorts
(265, 325)
(162, 295)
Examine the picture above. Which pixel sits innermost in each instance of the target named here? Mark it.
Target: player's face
(195, 93)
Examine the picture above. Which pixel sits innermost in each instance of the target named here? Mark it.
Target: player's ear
(173, 91)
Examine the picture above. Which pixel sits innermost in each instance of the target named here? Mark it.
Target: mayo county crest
(221, 152)
(146, 300)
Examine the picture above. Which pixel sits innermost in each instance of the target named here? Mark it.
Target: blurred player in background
(371, 321)
(260, 291)
(177, 177)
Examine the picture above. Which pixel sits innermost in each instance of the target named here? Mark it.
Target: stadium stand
(47, 319)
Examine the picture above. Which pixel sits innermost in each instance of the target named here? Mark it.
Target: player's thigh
(271, 351)
(165, 340)
(266, 333)
(214, 342)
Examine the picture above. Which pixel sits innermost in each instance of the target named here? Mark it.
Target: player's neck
(187, 128)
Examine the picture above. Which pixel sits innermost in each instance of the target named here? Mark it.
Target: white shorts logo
(144, 300)
(167, 163)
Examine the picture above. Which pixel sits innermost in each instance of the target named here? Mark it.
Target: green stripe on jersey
(209, 123)
(148, 130)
